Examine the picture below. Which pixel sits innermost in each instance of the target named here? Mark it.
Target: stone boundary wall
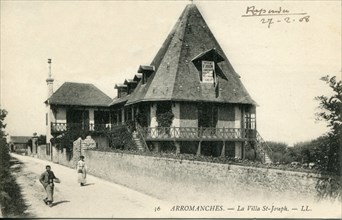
(173, 178)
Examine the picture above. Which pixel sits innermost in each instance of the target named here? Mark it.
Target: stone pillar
(29, 150)
(77, 144)
(223, 152)
(199, 148)
(34, 144)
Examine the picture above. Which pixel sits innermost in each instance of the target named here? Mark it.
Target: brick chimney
(49, 81)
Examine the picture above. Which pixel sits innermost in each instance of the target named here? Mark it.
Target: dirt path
(99, 198)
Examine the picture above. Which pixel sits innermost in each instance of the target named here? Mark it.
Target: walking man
(47, 180)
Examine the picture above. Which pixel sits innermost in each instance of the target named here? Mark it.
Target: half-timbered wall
(226, 116)
(188, 114)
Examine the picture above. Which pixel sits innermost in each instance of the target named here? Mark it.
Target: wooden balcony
(196, 134)
(166, 133)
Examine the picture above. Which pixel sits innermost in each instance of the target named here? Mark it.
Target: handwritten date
(288, 20)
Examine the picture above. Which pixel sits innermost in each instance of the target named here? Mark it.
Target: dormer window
(131, 85)
(206, 63)
(146, 72)
(122, 90)
(137, 77)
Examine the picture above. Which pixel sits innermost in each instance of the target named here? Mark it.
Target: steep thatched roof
(176, 76)
(82, 94)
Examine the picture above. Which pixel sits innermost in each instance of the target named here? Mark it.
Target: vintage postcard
(171, 109)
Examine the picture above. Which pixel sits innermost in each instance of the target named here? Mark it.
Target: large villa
(189, 96)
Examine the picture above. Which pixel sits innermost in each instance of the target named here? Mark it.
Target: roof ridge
(78, 83)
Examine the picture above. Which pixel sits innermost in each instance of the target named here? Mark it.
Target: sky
(104, 42)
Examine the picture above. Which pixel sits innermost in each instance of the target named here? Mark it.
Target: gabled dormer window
(122, 90)
(146, 72)
(137, 77)
(131, 85)
(206, 63)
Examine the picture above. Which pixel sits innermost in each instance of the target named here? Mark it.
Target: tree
(41, 139)
(3, 114)
(4, 162)
(330, 111)
(280, 152)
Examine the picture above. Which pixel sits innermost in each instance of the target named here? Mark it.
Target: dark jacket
(47, 178)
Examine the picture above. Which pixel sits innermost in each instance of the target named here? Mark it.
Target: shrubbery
(11, 201)
(121, 138)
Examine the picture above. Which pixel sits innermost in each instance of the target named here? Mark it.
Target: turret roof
(176, 77)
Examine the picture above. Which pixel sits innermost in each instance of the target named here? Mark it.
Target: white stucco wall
(226, 123)
(48, 116)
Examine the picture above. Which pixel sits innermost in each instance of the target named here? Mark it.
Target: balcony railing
(165, 133)
(62, 127)
(202, 133)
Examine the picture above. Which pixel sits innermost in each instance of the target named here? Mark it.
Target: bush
(329, 188)
(121, 138)
(164, 114)
(11, 201)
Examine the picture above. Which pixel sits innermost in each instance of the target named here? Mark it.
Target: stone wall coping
(226, 166)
